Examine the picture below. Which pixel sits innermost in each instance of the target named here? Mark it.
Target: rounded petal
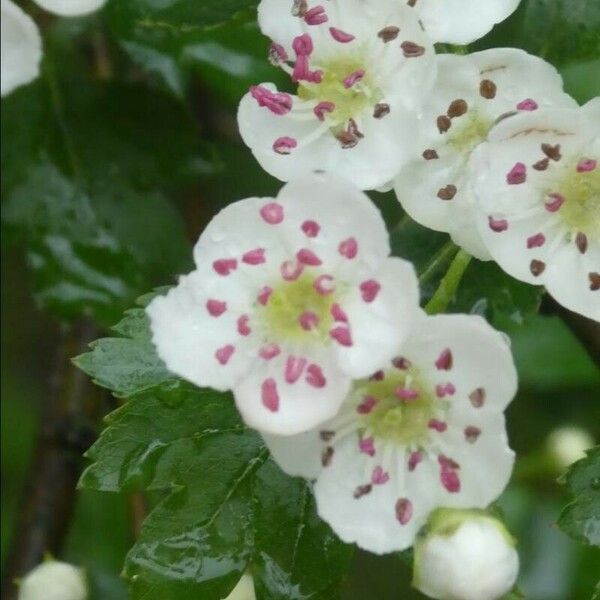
(201, 347)
(381, 311)
(272, 402)
(481, 361)
(71, 8)
(462, 21)
(380, 518)
(369, 164)
(297, 455)
(21, 48)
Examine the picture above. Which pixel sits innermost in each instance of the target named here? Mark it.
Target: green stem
(449, 284)
(439, 258)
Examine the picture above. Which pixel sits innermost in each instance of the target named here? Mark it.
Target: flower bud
(53, 580)
(568, 444)
(465, 555)
(244, 590)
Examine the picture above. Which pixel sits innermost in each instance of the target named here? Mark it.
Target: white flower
(21, 48)
(53, 580)
(537, 180)
(362, 68)
(292, 298)
(425, 431)
(21, 41)
(461, 21)
(471, 93)
(244, 590)
(465, 555)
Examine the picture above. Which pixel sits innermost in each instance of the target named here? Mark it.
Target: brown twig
(70, 416)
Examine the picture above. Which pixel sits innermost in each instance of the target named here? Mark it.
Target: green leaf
(486, 290)
(298, 556)
(581, 518)
(96, 218)
(560, 31)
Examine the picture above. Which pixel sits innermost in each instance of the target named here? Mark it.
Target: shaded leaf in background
(581, 518)
(88, 194)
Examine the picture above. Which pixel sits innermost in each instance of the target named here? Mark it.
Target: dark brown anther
(581, 242)
(541, 165)
(477, 397)
(412, 3)
(326, 435)
(537, 267)
(412, 50)
(447, 193)
(362, 490)
(327, 456)
(487, 89)
(430, 154)
(299, 8)
(353, 129)
(457, 108)
(552, 152)
(594, 281)
(387, 34)
(443, 123)
(381, 110)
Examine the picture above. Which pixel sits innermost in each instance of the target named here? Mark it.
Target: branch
(71, 413)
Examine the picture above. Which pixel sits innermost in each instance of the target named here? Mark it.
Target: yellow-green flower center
(471, 131)
(297, 312)
(399, 407)
(349, 100)
(581, 209)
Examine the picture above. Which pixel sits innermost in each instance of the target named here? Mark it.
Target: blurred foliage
(111, 162)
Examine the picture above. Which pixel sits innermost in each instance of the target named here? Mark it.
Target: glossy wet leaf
(581, 518)
(297, 555)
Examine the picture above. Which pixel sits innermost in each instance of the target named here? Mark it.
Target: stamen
(517, 175)
(284, 145)
(404, 510)
(362, 490)
(338, 313)
(443, 123)
(436, 425)
(497, 225)
(324, 284)
(254, 257)
(379, 476)
(367, 405)
(341, 335)
(279, 103)
(327, 456)
(387, 34)
(315, 16)
(381, 110)
(406, 394)
(311, 228)
(477, 397)
(269, 351)
(224, 266)
(277, 54)
(447, 193)
(556, 202)
(353, 78)
(586, 165)
(315, 377)
(308, 320)
(294, 366)
(457, 108)
(322, 108)
(527, 104)
(348, 248)
(269, 395)
(537, 267)
(535, 241)
(291, 269)
(272, 213)
(541, 165)
(581, 242)
(216, 308)
(340, 36)
(594, 281)
(552, 152)
(264, 295)
(487, 89)
(412, 49)
(303, 45)
(472, 433)
(430, 154)
(367, 446)
(369, 290)
(444, 390)
(444, 361)
(243, 326)
(307, 257)
(414, 459)
(224, 354)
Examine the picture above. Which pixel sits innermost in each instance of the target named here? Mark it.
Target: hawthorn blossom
(472, 93)
(362, 68)
(54, 580)
(537, 180)
(465, 555)
(291, 299)
(461, 21)
(425, 430)
(21, 40)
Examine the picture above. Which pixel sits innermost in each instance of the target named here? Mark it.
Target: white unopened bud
(568, 444)
(244, 590)
(53, 580)
(465, 555)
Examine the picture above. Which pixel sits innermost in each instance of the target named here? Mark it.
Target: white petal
(298, 455)
(21, 48)
(436, 192)
(270, 404)
(370, 520)
(187, 337)
(462, 21)
(380, 326)
(71, 8)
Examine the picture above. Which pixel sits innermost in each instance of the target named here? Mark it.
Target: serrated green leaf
(581, 518)
(298, 556)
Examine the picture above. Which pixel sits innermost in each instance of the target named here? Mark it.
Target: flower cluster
(297, 307)
(375, 105)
